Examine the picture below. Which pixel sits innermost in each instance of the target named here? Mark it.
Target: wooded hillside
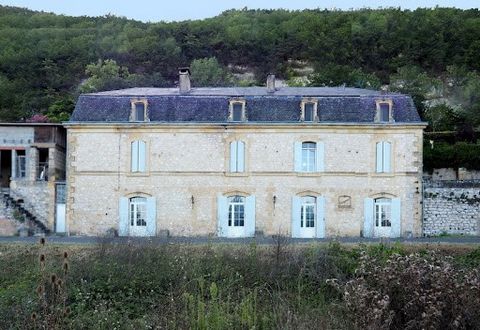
(432, 54)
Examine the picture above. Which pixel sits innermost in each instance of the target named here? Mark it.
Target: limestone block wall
(38, 197)
(451, 207)
(191, 163)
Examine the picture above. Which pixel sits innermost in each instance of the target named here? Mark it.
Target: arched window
(138, 211)
(307, 212)
(236, 211)
(309, 151)
(383, 213)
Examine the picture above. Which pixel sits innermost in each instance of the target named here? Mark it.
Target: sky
(171, 10)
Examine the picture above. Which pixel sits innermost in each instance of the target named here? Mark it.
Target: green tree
(208, 72)
(106, 75)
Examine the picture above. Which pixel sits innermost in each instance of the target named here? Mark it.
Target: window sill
(138, 174)
(239, 174)
(386, 175)
(309, 174)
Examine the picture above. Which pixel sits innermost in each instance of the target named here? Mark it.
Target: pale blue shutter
(222, 215)
(134, 156)
(386, 156)
(296, 209)
(240, 156)
(233, 156)
(320, 157)
(320, 225)
(379, 157)
(250, 216)
(298, 156)
(141, 156)
(123, 223)
(396, 218)
(151, 217)
(368, 214)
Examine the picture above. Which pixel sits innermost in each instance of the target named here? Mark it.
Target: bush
(456, 155)
(412, 292)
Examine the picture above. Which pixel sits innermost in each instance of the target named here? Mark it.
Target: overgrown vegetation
(236, 287)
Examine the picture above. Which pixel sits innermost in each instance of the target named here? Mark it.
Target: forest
(47, 60)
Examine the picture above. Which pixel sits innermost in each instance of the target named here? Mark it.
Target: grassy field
(282, 286)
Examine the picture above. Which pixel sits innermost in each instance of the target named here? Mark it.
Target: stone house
(32, 174)
(239, 162)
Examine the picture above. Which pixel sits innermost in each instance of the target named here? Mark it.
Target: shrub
(412, 292)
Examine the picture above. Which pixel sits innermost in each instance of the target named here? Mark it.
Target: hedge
(443, 155)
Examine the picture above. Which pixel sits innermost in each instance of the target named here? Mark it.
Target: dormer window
(308, 111)
(139, 110)
(384, 111)
(237, 111)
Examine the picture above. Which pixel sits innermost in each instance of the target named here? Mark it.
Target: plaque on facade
(344, 202)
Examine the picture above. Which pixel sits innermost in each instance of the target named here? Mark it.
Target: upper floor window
(384, 111)
(309, 156)
(237, 111)
(139, 111)
(237, 156)
(138, 156)
(20, 164)
(309, 151)
(383, 157)
(309, 111)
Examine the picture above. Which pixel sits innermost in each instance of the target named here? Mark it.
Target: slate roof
(210, 105)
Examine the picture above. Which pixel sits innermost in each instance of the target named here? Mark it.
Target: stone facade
(187, 168)
(451, 207)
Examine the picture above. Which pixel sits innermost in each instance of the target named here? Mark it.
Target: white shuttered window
(138, 149)
(383, 161)
(237, 156)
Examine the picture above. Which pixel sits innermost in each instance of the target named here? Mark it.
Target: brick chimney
(184, 80)
(271, 83)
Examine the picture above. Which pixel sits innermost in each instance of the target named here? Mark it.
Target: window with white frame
(20, 164)
(138, 211)
(138, 149)
(307, 215)
(237, 111)
(309, 153)
(383, 157)
(309, 111)
(383, 212)
(236, 211)
(237, 156)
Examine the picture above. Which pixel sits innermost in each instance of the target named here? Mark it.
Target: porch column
(51, 164)
(14, 163)
(32, 163)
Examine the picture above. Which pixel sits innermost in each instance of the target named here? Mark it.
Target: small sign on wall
(344, 202)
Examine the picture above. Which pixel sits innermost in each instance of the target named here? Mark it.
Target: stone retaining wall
(451, 207)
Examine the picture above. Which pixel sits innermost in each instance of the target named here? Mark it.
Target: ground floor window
(138, 211)
(307, 215)
(383, 212)
(236, 211)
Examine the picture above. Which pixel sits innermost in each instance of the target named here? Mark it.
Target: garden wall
(451, 207)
